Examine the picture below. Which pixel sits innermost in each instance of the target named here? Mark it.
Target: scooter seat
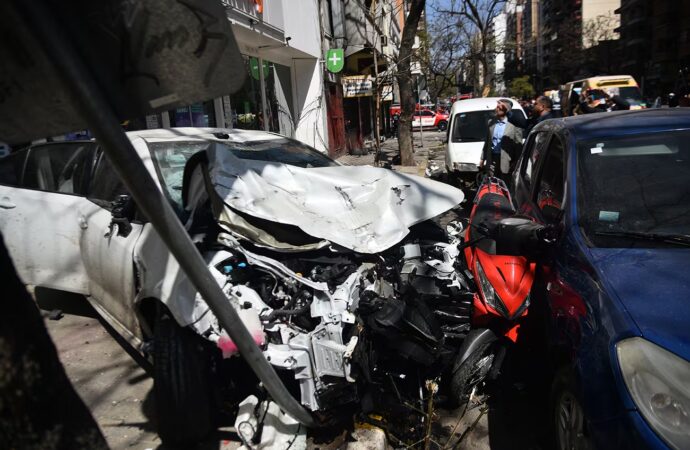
(491, 208)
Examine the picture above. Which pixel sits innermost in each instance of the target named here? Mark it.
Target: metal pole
(377, 109)
(101, 119)
(262, 86)
(421, 116)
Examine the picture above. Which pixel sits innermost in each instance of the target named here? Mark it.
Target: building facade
(655, 45)
(281, 42)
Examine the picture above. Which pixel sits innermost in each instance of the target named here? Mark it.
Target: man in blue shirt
(503, 142)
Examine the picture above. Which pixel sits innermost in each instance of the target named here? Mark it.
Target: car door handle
(83, 223)
(6, 203)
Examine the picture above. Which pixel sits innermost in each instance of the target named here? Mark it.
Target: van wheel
(181, 385)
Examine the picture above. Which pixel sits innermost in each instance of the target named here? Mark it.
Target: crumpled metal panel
(365, 209)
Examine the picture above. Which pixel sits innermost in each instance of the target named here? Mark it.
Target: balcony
(360, 29)
(272, 14)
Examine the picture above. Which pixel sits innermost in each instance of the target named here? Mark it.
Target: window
(471, 126)
(549, 196)
(106, 184)
(11, 167)
(534, 149)
(427, 113)
(634, 183)
(62, 168)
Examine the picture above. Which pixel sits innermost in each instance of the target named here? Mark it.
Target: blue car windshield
(634, 184)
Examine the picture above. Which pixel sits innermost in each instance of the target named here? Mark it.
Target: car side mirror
(518, 236)
(122, 213)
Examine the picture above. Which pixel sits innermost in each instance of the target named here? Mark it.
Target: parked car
(469, 125)
(336, 271)
(426, 118)
(614, 293)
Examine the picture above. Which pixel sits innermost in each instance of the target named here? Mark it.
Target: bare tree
(475, 22)
(447, 48)
(405, 81)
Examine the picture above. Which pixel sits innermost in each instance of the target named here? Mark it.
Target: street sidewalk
(428, 154)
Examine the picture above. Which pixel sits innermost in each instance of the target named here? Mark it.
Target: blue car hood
(654, 287)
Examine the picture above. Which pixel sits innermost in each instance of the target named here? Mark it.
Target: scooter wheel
(471, 374)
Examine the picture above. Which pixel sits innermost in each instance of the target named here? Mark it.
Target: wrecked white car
(349, 288)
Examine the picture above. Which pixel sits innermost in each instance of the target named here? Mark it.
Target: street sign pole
(421, 117)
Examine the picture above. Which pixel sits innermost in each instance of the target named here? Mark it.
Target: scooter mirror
(518, 236)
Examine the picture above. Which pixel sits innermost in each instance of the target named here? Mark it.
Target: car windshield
(170, 158)
(634, 185)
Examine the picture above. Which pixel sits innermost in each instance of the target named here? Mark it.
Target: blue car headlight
(658, 383)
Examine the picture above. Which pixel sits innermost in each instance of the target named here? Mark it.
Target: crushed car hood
(365, 209)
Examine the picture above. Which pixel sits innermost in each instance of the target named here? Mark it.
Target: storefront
(358, 104)
(265, 101)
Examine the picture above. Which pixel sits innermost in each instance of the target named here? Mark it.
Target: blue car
(614, 292)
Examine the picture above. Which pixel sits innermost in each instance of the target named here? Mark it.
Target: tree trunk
(404, 75)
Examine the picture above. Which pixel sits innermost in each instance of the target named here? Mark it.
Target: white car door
(43, 218)
(108, 252)
(428, 119)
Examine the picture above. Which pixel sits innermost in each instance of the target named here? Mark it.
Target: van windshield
(630, 94)
(471, 126)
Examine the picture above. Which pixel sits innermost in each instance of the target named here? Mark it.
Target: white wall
(302, 25)
(500, 27)
(310, 105)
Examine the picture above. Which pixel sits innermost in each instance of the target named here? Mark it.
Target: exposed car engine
(351, 328)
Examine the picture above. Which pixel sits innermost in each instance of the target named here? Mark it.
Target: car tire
(442, 125)
(181, 387)
(472, 372)
(568, 428)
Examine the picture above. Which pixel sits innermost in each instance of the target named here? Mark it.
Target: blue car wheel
(568, 419)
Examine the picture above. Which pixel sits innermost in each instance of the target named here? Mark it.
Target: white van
(469, 121)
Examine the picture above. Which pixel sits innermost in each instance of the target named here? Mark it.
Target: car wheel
(181, 386)
(471, 374)
(568, 418)
(442, 125)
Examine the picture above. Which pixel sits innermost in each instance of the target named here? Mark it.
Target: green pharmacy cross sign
(335, 60)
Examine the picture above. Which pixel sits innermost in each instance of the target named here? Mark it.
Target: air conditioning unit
(384, 41)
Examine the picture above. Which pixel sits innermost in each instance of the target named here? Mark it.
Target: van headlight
(658, 383)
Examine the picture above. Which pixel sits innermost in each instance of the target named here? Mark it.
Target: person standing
(542, 111)
(503, 142)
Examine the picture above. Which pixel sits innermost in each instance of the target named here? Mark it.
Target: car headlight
(658, 383)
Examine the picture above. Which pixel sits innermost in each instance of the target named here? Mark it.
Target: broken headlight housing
(657, 382)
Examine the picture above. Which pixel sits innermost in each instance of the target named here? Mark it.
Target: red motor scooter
(497, 247)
